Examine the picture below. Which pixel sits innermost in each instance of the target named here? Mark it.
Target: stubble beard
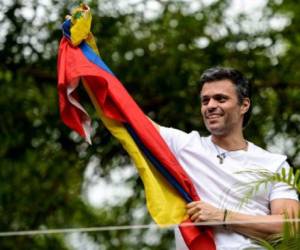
(220, 130)
(216, 131)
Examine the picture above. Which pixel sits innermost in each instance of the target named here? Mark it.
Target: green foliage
(289, 239)
(263, 177)
(290, 179)
(159, 60)
(290, 236)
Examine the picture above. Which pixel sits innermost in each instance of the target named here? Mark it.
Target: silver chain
(221, 155)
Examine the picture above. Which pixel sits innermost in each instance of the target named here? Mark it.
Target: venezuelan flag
(167, 186)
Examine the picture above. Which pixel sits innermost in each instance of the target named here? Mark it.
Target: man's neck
(230, 142)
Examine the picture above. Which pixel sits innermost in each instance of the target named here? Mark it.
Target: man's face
(220, 108)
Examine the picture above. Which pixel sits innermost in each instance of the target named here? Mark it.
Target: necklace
(222, 155)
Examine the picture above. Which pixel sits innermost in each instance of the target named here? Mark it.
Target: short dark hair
(242, 85)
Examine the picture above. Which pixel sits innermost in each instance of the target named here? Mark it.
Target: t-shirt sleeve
(175, 138)
(282, 190)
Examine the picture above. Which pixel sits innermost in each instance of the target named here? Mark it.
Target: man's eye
(204, 101)
(221, 98)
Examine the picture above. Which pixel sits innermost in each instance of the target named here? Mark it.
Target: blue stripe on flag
(85, 48)
(66, 26)
(158, 165)
(93, 57)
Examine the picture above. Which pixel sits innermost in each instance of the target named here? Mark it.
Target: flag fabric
(167, 186)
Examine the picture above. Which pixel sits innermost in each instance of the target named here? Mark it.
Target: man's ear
(245, 105)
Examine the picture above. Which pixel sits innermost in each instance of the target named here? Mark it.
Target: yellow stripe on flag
(163, 201)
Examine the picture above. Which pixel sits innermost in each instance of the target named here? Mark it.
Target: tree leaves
(159, 60)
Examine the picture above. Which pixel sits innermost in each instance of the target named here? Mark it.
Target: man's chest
(226, 182)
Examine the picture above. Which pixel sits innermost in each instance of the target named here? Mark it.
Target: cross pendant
(221, 158)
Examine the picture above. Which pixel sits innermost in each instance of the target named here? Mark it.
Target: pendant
(221, 157)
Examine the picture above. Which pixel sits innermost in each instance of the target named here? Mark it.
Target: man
(214, 164)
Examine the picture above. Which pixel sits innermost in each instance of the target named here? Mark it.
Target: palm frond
(264, 177)
(289, 239)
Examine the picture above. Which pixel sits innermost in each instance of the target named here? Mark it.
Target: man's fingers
(193, 210)
(196, 216)
(193, 203)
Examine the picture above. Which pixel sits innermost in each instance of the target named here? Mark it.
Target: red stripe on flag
(117, 104)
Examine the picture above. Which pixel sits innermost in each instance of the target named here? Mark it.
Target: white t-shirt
(221, 185)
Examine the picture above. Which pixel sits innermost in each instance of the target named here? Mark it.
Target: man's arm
(279, 209)
(251, 225)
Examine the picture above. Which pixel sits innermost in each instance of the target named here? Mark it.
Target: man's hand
(260, 226)
(202, 211)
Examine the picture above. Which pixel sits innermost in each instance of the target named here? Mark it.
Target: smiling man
(214, 163)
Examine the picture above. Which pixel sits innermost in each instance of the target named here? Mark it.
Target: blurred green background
(50, 178)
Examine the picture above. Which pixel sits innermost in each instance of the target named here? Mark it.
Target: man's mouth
(213, 116)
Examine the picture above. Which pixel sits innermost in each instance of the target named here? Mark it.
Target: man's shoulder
(170, 133)
(270, 160)
(177, 132)
(257, 149)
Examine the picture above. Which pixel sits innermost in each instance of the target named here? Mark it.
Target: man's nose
(212, 104)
